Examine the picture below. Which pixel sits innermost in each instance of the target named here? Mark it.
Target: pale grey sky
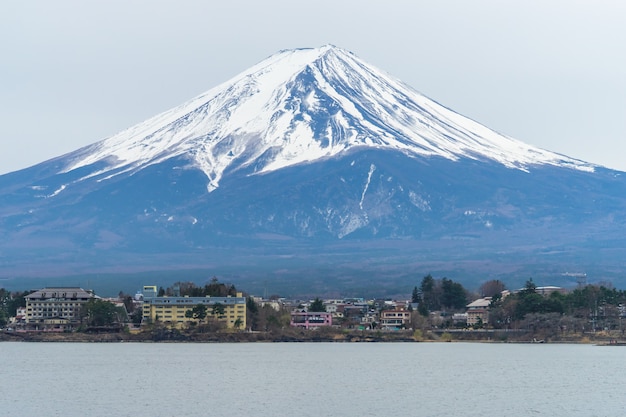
(549, 73)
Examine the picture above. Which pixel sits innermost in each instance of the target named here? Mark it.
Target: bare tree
(491, 288)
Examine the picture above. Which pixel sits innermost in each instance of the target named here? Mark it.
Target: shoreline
(163, 335)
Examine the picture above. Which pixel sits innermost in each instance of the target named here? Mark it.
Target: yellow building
(172, 310)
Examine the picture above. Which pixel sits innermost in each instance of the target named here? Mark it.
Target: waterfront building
(395, 319)
(478, 311)
(56, 308)
(173, 310)
(20, 316)
(311, 319)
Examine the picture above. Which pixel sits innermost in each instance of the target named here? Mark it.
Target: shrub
(446, 337)
(418, 336)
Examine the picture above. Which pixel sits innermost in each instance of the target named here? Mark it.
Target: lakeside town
(437, 310)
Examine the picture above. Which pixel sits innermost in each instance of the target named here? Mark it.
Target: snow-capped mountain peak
(299, 106)
(321, 166)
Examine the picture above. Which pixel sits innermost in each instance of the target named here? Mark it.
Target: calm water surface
(311, 379)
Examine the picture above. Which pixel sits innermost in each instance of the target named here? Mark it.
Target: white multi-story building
(56, 307)
(395, 319)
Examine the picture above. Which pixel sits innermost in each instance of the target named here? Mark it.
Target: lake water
(311, 379)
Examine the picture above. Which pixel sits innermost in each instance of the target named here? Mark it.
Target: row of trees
(214, 288)
(592, 307)
(439, 294)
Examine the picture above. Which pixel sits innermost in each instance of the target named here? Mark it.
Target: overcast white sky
(550, 73)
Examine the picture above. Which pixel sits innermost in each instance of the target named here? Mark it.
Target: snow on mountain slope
(299, 106)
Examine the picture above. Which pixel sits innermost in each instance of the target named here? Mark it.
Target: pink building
(311, 320)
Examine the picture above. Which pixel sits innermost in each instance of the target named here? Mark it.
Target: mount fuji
(315, 171)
